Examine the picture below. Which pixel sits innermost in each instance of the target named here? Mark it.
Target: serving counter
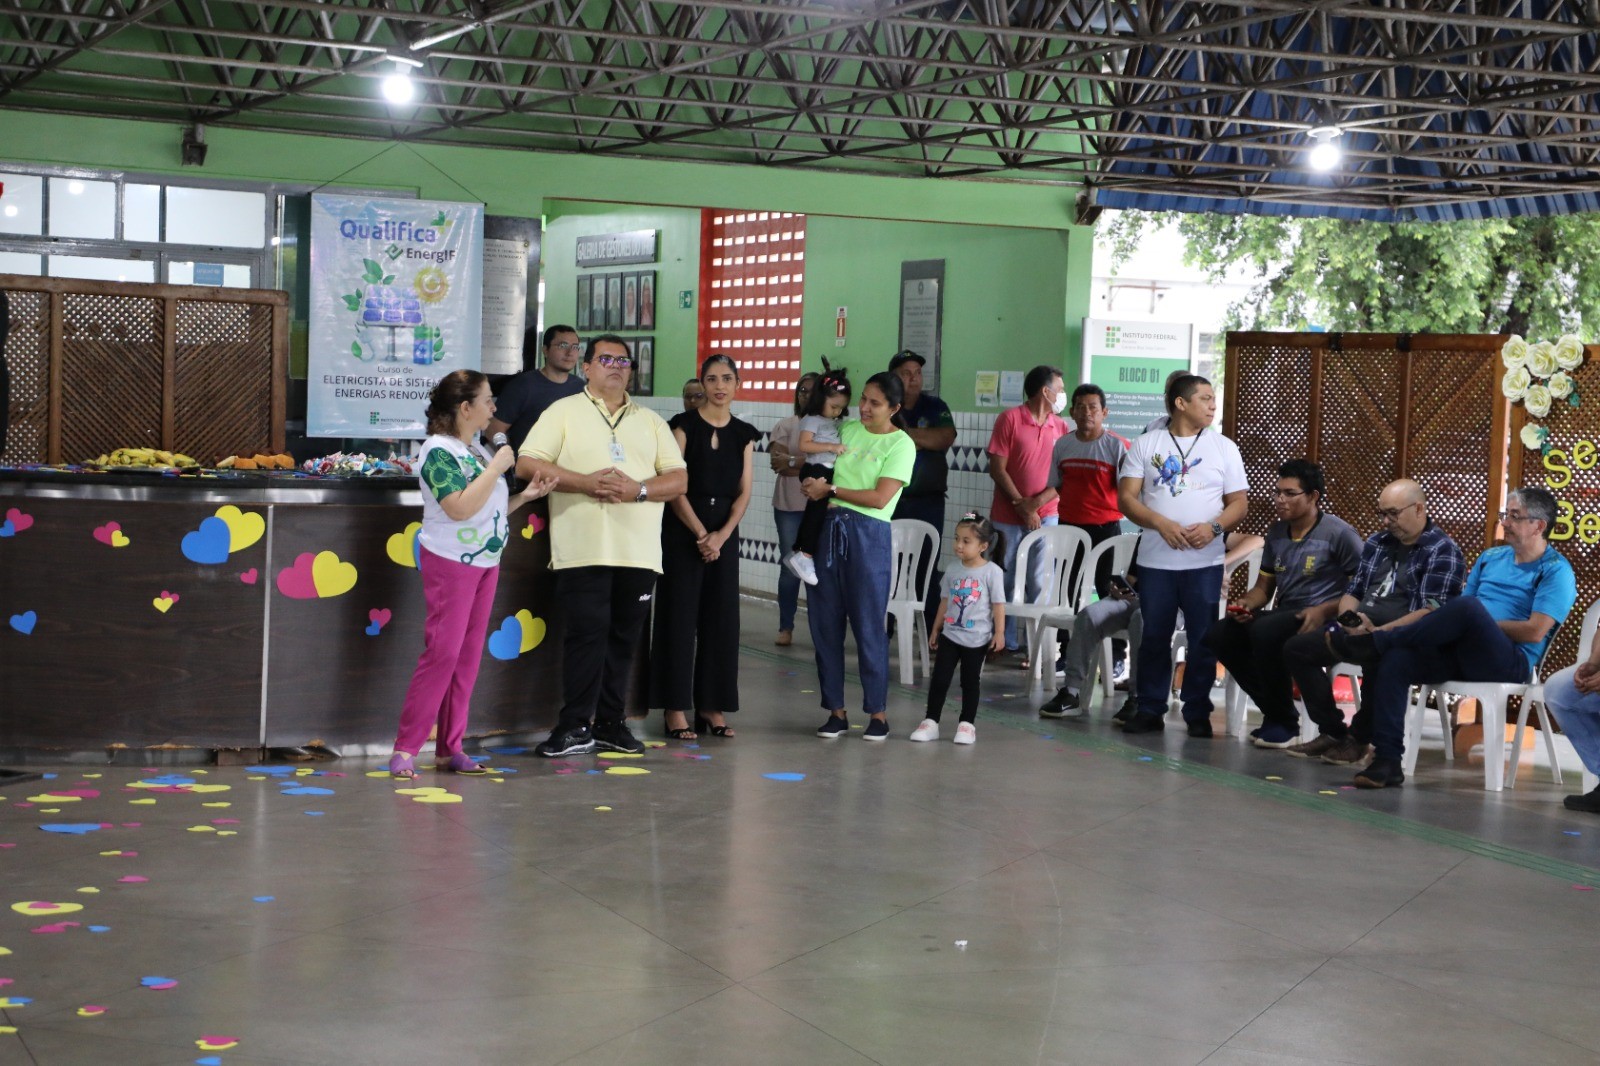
(242, 611)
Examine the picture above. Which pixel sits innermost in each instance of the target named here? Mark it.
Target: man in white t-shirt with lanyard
(1186, 488)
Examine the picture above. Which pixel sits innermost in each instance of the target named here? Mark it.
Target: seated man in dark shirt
(523, 397)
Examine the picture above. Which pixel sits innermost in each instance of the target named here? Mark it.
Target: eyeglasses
(614, 362)
(1390, 514)
(1512, 516)
(564, 346)
(1289, 494)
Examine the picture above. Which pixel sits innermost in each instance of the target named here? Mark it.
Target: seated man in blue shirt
(1516, 595)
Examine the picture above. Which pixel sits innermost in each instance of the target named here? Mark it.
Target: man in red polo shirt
(1019, 462)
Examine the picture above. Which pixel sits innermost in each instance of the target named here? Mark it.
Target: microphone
(499, 440)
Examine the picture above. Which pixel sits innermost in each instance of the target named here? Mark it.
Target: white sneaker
(966, 733)
(801, 566)
(928, 730)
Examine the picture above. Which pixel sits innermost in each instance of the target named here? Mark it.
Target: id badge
(617, 454)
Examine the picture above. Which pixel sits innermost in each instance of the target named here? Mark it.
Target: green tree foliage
(1538, 277)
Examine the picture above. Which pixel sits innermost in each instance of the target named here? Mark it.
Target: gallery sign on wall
(396, 303)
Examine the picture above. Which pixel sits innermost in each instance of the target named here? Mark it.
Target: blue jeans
(1162, 594)
(788, 523)
(855, 563)
(1578, 714)
(1038, 570)
(1460, 641)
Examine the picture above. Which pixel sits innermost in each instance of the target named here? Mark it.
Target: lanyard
(612, 426)
(1183, 456)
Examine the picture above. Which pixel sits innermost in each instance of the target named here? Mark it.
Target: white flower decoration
(1537, 401)
(1542, 360)
(1533, 436)
(1515, 352)
(1560, 385)
(1569, 352)
(1515, 384)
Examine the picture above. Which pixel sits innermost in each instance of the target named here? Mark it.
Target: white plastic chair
(1180, 634)
(1067, 546)
(908, 596)
(1591, 622)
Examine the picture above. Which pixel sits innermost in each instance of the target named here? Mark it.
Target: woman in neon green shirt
(855, 556)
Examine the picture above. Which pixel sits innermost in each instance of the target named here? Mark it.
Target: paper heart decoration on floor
(111, 534)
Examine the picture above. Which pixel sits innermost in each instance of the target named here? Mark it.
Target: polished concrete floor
(1052, 894)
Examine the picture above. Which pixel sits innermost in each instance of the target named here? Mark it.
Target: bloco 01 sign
(396, 303)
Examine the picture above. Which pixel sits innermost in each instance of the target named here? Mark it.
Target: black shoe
(571, 741)
(1589, 801)
(614, 736)
(1201, 730)
(1144, 723)
(1129, 707)
(1063, 704)
(1357, 648)
(1381, 773)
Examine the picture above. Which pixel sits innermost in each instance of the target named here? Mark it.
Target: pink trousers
(459, 599)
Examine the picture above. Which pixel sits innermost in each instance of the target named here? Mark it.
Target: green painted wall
(1017, 271)
(1013, 298)
(677, 268)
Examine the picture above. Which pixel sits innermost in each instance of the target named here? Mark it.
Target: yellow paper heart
(527, 532)
(119, 539)
(331, 576)
(162, 604)
(35, 908)
(420, 790)
(532, 629)
(399, 546)
(244, 527)
(142, 803)
(226, 833)
(48, 798)
(89, 891)
(222, 804)
(626, 771)
(445, 797)
(208, 788)
(202, 829)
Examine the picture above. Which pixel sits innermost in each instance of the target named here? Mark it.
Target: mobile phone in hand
(1350, 620)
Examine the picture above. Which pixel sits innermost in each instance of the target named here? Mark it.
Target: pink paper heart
(379, 615)
(103, 533)
(535, 523)
(18, 520)
(173, 596)
(132, 879)
(249, 576)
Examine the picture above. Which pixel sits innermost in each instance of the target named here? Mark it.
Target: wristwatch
(791, 462)
(1216, 529)
(644, 493)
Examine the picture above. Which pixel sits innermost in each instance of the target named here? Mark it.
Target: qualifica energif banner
(396, 304)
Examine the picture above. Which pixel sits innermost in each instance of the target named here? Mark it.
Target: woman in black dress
(695, 651)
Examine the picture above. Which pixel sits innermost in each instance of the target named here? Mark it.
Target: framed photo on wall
(644, 365)
(597, 302)
(630, 301)
(585, 295)
(647, 299)
(613, 302)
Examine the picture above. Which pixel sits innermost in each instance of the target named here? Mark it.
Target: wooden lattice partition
(99, 365)
(1373, 407)
(1571, 470)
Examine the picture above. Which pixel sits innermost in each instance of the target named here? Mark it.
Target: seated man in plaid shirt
(1408, 569)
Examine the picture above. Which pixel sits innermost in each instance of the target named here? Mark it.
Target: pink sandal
(402, 766)
(460, 763)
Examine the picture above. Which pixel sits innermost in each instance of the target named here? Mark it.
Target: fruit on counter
(283, 461)
(358, 464)
(156, 458)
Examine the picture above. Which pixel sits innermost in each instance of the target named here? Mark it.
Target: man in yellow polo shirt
(616, 465)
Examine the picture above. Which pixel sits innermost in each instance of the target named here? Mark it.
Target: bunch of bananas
(155, 458)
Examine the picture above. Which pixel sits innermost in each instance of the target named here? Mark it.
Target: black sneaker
(571, 741)
(1273, 735)
(1144, 723)
(614, 736)
(1063, 704)
(1201, 730)
(1129, 707)
(834, 728)
(1589, 801)
(1381, 773)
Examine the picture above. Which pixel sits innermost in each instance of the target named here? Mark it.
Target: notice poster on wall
(396, 303)
(1131, 361)
(510, 258)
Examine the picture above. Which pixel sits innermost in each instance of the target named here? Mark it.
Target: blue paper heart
(374, 629)
(306, 790)
(8, 528)
(785, 777)
(99, 929)
(209, 1060)
(416, 549)
(23, 623)
(506, 642)
(208, 544)
(278, 770)
(78, 828)
(152, 982)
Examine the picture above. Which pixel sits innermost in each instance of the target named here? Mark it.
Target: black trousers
(945, 658)
(1098, 534)
(1253, 653)
(606, 608)
(1307, 658)
(694, 653)
(816, 511)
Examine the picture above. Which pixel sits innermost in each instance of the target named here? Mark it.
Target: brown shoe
(1347, 752)
(1313, 749)
(785, 638)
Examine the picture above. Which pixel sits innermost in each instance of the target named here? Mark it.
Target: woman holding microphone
(466, 511)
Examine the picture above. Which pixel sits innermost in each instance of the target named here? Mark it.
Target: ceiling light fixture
(398, 87)
(1325, 152)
